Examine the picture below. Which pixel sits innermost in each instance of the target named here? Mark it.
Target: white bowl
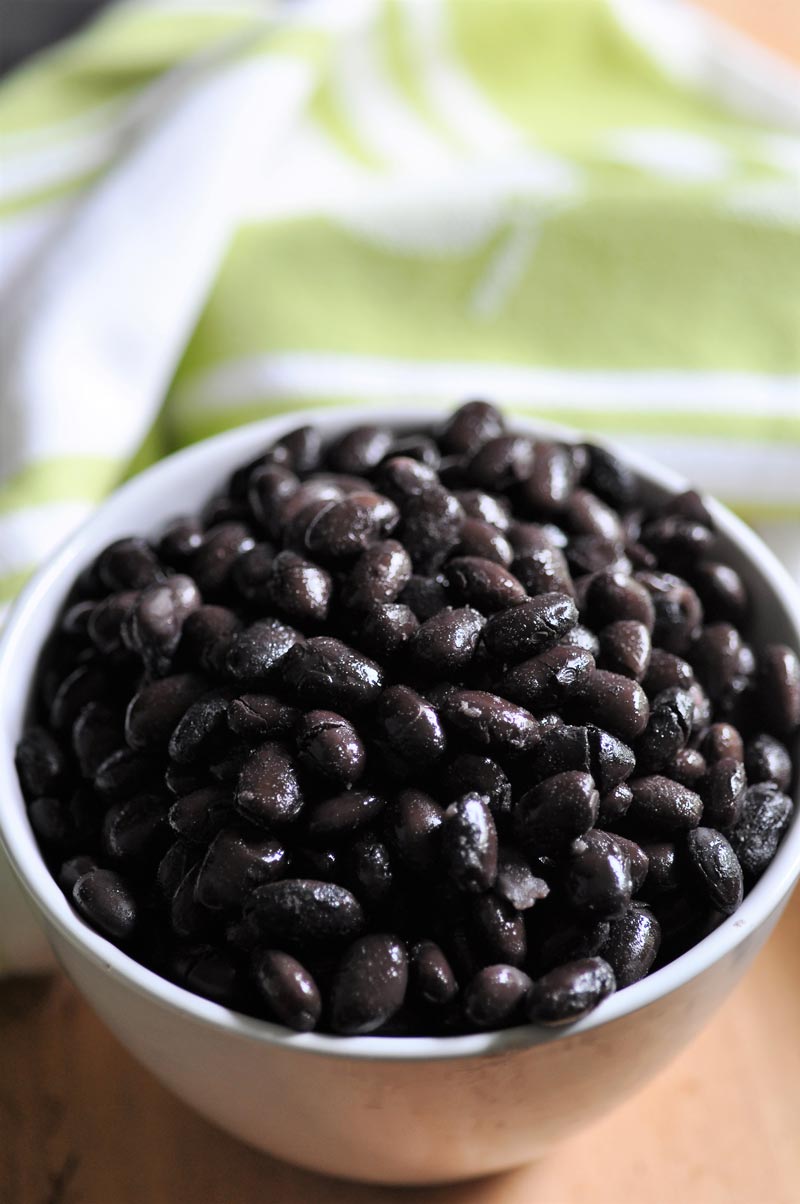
(381, 1109)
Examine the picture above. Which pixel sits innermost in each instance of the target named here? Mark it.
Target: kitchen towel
(214, 211)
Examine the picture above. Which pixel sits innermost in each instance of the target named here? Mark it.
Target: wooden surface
(81, 1123)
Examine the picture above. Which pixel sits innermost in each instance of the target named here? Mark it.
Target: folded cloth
(214, 211)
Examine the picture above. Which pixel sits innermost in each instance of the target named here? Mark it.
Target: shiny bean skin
(445, 644)
(468, 773)
(328, 673)
(614, 702)
(666, 671)
(288, 989)
(556, 812)
(415, 829)
(379, 575)
(469, 844)
(213, 561)
(300, 590)
(614, 805)
(303, 912)
(200, 729)
(235, 864)
(154, 712)
(544, 571)
(497, 996)
(499, 930)
(610, 478)
(721, 591)
(768, 760)
(342, 529)
(205, 637)
(430, 527)
(483, 584)
(128, 564)
(200, 815)
(598, 879)
(426, 596)
(524, 630)
(662, 805)
(551, 479)
(268, 791)
(501, 462)
(95, 736)
(254, 655)
(625, 648)
(370, 984)
(487, 719)
(372, 870)
(756, 834)
(472, 425)
(677, 608)
(329, 744)
(723, 793)
(338, 817)
(637, 859)
(260, 716)
(668, 729)
(360, 450)
(431, 977)
(779, 689)
(104, 899)
(632, 946)
(487, 507)
(385, 630)
(548, 679)
(716, 869)
(481, 539)
(571, 991)
(410, 726)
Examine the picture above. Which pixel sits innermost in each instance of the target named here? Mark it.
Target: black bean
(625, 648)
(498, 930)
(304, 912)
(445, 644)
(473, 424)
(300, 590)
(668, 728)
(721, 741)
(415, 822)
(260, 716)
(135, 827)
(556, 812)
(51, 823)
(469, 844)
(585, 514)
(329, 744)
(544, 571)
(756, 834)
(779, 689)
(570, 939)
(721, 591)
(342, 529)
(360, 450)
(589, 554)
(371, 869)
(527, 628)
(546, 680)
(431, 527)
(487, 719)
(86, 684)
(179, 540)
(614, 596)
(72, 870)
(501, 462)
(417, 447)
(637, 860)
(716, 869)
(201, 730)
(385, 630)
(663, 869)
(432, 980)
(288, 990)
(379, 575)
(479, 538)
(598, 877)
(687, 766)
(632, 946)
(268, 791)
(304, 448)
(128, 564)
(108, 618)
(213, 561)
(609, 478)
(616, 702)
(716, 656)
(516, 881)
(677, 540)
(483, 584)
(570, 991)
(328, 673)
(614, 805)
(425, 596)
(255, 654)
(560, 749)
(485, 506)
(665, 671)
(40, 762)
(402, 477)
(188, 919)
(768, 760)
(200, 815)
(125, 773)
(582, 637)
(410, 726)
(551, 479)
(104, 899)
(157, 619)
(205, 637)
(154, 712)
(468, 773)
(370, 984)
(678, 610)
(689, 504)
(497, 996)
(251, 575)
(610, 761)
(662, 805)
(213, 975)
(340, 816)
(235, 864)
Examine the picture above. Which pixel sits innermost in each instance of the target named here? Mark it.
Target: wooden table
(81, 1123)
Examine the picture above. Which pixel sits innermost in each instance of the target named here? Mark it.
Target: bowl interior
(180, 485)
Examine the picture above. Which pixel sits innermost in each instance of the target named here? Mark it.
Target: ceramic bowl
(381, 1109)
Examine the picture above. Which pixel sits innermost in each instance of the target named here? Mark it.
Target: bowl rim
(764, 900)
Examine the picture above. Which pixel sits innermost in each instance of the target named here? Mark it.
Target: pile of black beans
(412, 734)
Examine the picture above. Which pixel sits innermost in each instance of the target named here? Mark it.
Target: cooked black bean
(551, 479)
(723, 793)
(610, 760)
(469, 844)
(687, 766)
(716, 869)
(544, 571)
(327, 672)
(497, 996)
(214, 559)
(415, 822)
(105, 900)
(716, 656)
(501, 462)
(523, 630)
(379, 575)
(128, 564)
(188, 919)
(556, 812)
(614, 596)
(638, 861)
(73, 869)
(268, 791)
(445, 644)
(614, 805)
(668, 728)
(385, 630)
(51, 823)
(616, 702)
(135, 827)
(329, 744)
(689, 504)
(487, 507)
(663, 805)
(299, 589)
(570, 991)
(86, 684)
(261, 716)
(589, 554)
(663, 869)
(304, 912)
(370, 984)
(546, 680)
(625, 648)
(487, 719)
(40, 762)
(342, 529)
(581, 637)
(402, 477)
(721, 591)
(666, 671)
(468, 773)
(756, 834)
(609, 478)
(200, 815)
(425, 596)
(107, 619)
(430, 527)
(586, 514)
(432, 980)
(290, 993)
(779, 689)
(479, 538)
(255, 653)
(157, 619)
(179, 540)
(472, 425)
(125, 773)
(304, 448)
(205, 636)
(410, 726)
(483, 584)
(251, 575)
(498, 930)
(598, 877)
(201, 730)
(154, 712)
(677, 540)
(632, 946)
(346, 813)
(721, 741)
(417, 447)
(678, 610)
(360, 450)
(235, 864)
(371, 869)
(767, 760)
(560, 749)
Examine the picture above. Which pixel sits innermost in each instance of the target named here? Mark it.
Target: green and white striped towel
(213, 211)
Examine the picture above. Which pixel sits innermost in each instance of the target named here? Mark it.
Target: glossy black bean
(425, 596)
(497, 996)
(268, 791)
(632, 946)
(668, 728)
(598, 880)
(569, 938)
(135, 827)
(73, 869)
(661, 805)
(125, 773)
(402, 477)
(721, 591)
(104, 899)
(664, 874)
(213, 975)
(154, 712)
(676, 539)
(108, 618)
(250, 576)
(678, 610)
(614, 805)
(469, 773)
(96, 733)
(756, 834)
(371, 870)
(157, 619)
(300, 590)
(40, 762)
(689, 504)
(556, 812)
(610, 478)
(379, 575)
(430, 527)
(300, 511)
(487, 719)
(179, 540)
(431, 978)
(487, 507)
(483, 584)
(409, 726)
(721, 741)
(445, 644)
(329, 744)
(715, 869)
(666, 671)
(589, 554)
(479, 538)
(687, 766)
(257, 717)
(417, 447)
(544, 571)
(360, 450)
(498, 930)
(570, 991)
(88, 683)
(200, 815)
(188, 920)
(501, 462)
(613, 596)
(213, 561)
(548, 679)
(235, 864)
(551, 479)
(370, 984)
(337, 818)
(610, 760)
(303, 446)
(585, 514)
(779, 689)
(128, 564)
(581, 637)
(256, 653)
(205, 637)
(201, 730)
(414, 827)
(341, 530)
(613, 701)
(385, 630)
(560, 748)
(325, 672)
(525, 629)
(469, 844)
(287, 988)
(50, 820)
(637, 859)
(716, 657)
(473, 424)
(625, 648)
(303, 912)
(767, 760)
